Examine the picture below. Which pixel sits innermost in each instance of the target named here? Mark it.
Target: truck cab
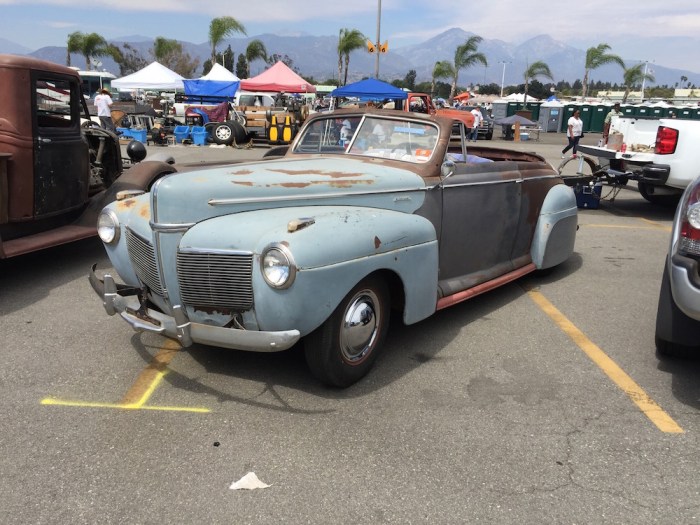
(51, 165)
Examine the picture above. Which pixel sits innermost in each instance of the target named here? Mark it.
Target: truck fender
(555, 232)
(140, 177)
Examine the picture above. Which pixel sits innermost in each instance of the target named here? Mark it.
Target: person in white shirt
(103, 103)
(574, 131)
(478, 118)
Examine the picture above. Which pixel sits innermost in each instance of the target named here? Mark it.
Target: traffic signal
(383, 48)
(370, 47)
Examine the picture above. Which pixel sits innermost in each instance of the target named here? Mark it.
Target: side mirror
(447, 169)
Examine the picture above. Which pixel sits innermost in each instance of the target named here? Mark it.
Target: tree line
(171, 54)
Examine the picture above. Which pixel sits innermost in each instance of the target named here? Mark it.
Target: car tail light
(666, 141)
(689, 241)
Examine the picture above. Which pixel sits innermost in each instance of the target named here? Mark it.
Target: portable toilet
(643, 111)
(568, 111)
(598, 114)
(586, 112)
(550, 116)
(499, 109)
(628, 111)
(684, 112)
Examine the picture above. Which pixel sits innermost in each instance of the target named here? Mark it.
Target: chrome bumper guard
(122, 299)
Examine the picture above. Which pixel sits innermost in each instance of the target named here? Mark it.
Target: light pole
(644, 78)
(379, 20)
(503, 75)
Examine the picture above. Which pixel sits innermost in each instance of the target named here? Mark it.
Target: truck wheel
(489, 135)
(343, 349)
(222, 133)
(676, 333)
(240, 135)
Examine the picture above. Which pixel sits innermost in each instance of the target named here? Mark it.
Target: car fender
(333, 248)
(555, 232)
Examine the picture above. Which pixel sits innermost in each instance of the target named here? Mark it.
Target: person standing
(478, 118)
(573, 133)
(614, 112)
(103, 103)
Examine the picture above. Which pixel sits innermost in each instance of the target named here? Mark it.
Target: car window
(56, 103)
(397, 139)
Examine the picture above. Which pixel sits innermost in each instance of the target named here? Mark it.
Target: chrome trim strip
(171, 227)
(278, 198)
(220, 251)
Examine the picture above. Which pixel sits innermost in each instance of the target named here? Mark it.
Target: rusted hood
(192, 196)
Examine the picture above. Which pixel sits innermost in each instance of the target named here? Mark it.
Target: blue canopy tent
(370, 89)
(211, 88)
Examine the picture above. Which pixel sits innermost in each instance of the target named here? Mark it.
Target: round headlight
(108, 227)
(693, 215)
(278, 267)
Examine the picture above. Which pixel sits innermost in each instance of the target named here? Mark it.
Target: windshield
(376, 136)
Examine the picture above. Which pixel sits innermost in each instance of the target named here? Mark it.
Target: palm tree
(220, 28)
(73, 45)
(466, 55)
(635, 76)
(255, 50)
(348, 41)
(536, 69)
(442, 69)
(596, 57)
(90, 45)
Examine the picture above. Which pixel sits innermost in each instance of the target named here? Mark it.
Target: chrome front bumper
(124, 300)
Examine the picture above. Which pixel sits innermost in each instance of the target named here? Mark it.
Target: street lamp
(503, 76)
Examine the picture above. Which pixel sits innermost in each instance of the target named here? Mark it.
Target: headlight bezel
(291, 266)
(116, 229)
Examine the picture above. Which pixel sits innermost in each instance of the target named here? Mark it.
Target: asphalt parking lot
(540, 402)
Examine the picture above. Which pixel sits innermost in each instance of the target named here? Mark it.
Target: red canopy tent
(278, 78)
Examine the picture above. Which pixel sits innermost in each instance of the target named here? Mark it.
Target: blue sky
(670, 28)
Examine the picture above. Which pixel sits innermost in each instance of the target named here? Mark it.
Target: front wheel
(343, 349)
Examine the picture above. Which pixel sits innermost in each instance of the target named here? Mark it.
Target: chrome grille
(143, 257)
(216, 280)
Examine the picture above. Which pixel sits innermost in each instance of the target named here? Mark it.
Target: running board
(459, 297)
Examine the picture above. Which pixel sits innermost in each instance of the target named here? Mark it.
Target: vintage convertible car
(323, 242)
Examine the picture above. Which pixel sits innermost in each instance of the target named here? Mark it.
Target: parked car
(322, 243)
(678, 315)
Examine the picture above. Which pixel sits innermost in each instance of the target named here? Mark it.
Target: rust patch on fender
(242, 183)
(331, 174)
(125, 205)
(377, 242)
(242, 172)
(145, 211)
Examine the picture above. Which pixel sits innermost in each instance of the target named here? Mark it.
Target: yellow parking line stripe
(152, 375)
(646, 404)
(121, 406)
(142, 389)
(656, 224)
(658, 227)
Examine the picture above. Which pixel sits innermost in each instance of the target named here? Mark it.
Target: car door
(481, 205)
(61, 158)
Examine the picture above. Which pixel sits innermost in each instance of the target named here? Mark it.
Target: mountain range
(316, 56)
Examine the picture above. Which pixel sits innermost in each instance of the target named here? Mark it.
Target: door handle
(46, 141)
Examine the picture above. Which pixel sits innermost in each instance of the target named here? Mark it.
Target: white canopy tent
(153, 76)
(220, 73)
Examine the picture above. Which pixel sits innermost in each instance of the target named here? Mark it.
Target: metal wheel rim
(223, 132)
(360, 328)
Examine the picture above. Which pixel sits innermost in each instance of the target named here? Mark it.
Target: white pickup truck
(663, 154)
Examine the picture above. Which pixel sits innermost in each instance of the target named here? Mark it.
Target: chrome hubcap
(223, 132)
(360, 326)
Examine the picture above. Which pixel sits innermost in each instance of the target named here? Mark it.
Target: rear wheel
(676, 333)
(578, 168)
(343, 349)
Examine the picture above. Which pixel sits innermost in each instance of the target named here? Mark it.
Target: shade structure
(513, 119)
(370, 89)
(153, 76)
(278, 78)
(221, 74)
